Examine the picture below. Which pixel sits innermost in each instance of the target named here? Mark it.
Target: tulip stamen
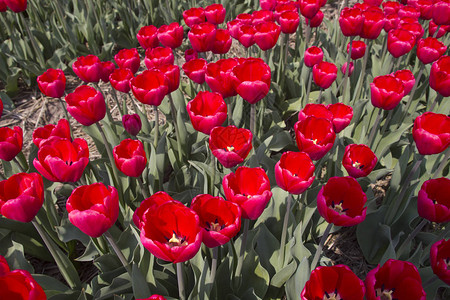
(248, 196)
(176, 241)
(384, 294)
(338, 207)
(447, 261)
(357, 165)
(332, 296)
(230, 148)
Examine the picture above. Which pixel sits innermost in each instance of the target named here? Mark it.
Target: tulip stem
(242, 251)
(307, 33)
(411, 236)
(284, 232)
(214, 263)
(347, 68)
(142, 186)
(117, 102)
(374, 128)
(443, 163)
(387, 121)
(155, 108)
(321, 244)
(413, 91)
(173, 111)
(65, 113)
(309, 86)
(356, 94)
(180, 281)
(438, 98)
(118, 252)
(229, 111)
(213, 177)
(253, 120)
(19, 165)
(437, 31)
(319, 99)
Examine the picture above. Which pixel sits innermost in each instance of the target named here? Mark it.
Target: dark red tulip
(414, 28)
(316, 20)
(16, 6)
(350, 68)
(21, 196)
(324, 74)
(313, 56)
(391, 7)
(432, 202)
(408, 11)
(107, 69)
(245, 18)
(440, 76)
(358, 49)
(309, 8)
(86, 105)
(439, 257)
(289, 21)
(218, 77)
(268, 4)
(400, 42)
(130, 157)
(93, 208)
(150, 87)
(230, 144)
(148, 37)
(220, 220)
(172, 75)
(294, 172)
(359, 160)
(334, 282)
(1, 107)
(342, 115)
(372, 25)
(396, 279)
(61, 130)
(88, 68)
(11, 142)
(363, 6)
(222, 42)
(386, 92)
(407, 78)
(251, 79)
(128, 59)
(431, 132)
(215, 13)
(171, 232)
(202, 36)
(159, 56)
(441, 12)
(233, 27)
(151, 202)
(351, 21)
(195, 69)
(154, 297)
(266, 35)
(315, 136)
(171, 35)
(391, 22)
(284, 7)
(246, 35)
(430, 49)
(52, 83)
(262, 16)
(132, 124)
(3, 6)
(190, 54)
(252, 195)
(206, 111)
(443, 29)
(316, 110)
(120, 80)
(194, 15)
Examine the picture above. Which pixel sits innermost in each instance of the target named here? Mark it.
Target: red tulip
(159, 56)
(151, 202)
(42, 134)
(372, 25)
(246, 35)
(52, 83)
(373, 2)
(202, 36)
(386, 92)
(289, 22)
(11, 142)
(18, 284)
(266, 35)
(206, 111)
(194, 15)
(88, 68)
(172, 76)
(407, 78)
(391, 7)
(93, 208)
(215, 13)
(218, 77)
(351, 21)
(107, 69)
(190, 54)
(313, 56)
(316, 110)
(120, 80)
(363, 6)
(400, 42)
(334, 282)
(148, 37)
(358, 49)
(432, 202)
(342, 115)
(431, 132)
(1, 107)
(414, 28)
(171, 232)
(443, 29)
(391, 22)
(358, 160)
(150, 87)
(439, 257)
(171, 35)
(245, 18)
(262, 16)
(440, 76)
(60, 160)
(324, 74)
(396, 279)
(130, 157)
(425, 8)
(441, 12)
(284, 7)
(128, 59)
(220, 220)
(16, 6)
(222, 43)
(315, 136)
(250, 189)
(3, 6)
(251, 79)
(230, 144)
(408, 11)
(294, 172)
(309, 8)
(316, 20)
(430, 49)
(132, 124)
(350, 68)
(233, 27)
(195, 69)
(86, 105)
(268, 4)
(154, 297)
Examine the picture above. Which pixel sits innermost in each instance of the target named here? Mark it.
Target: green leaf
(284, 274)
(295, 284)
(140, 286)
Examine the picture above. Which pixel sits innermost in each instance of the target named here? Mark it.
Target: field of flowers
(213, 149)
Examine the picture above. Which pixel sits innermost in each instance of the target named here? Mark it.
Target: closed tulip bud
(400, 42)
(358, 160)
(324, 74)
(430, 49)
(107, 69)
(425, 8)
(215, 13)
(358, 49)
(202, 36)
(407, 78)
(52, 83)
(154, 297)
(206, 111)
(313, 56)
(315, 136)
(194, 15)
(351, 21)
(350, 68)
(439, 256)
(431, 133)
(88, 68)
(342, 116)
(372, 25)
(432, 200)
(268, 4)
(294, 172)
(120, 80)
(195, 69)
(130, 157)
(309, 8)
(266, 35)
(230, 144)
(233, 28)
(11, 142)
(386, 92)
(440, 76)
(128, 59)
(61, 130)
(190, 54)
(132, 124)
(316, 20)
(86, 105)
(150, 87)
(148, 37)
(159, 56)
(289, 22)
(171, 35)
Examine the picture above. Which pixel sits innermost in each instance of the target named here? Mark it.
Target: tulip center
(332, 296)
(384, 294)
(214, 226)
(338, 207)
(230, 148)
(176, 241)
(248, 196)
(315, 141)
(357, 165)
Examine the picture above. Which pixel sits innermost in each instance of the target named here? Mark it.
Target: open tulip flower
(11, 142)
(202, 36)
(220, 220)
(52, 83)
(433, 202)
(341, 201)
(42, 134)
(195, 69)
(151, 202)
(107, 68)
(120, 80)
(215, 13)
(334, 282)
(324, 74)
(372, 25)
(313, 55)
(194, 15)
(93, 208)
(289, 21)
(154, 297)
(206, 111)
(61, 160)
(88, 68)
(171, 35)
(294, 172)
(396, 279)
(400, 42)
(253, 195)
(314, 136)
(268, 4)
(342, 115)
(386, 92)
(171, 232)
(150, 87)
(159, 56)
(172, 75)
(440, 76)
(86, 105)
(359, 160)
(358, 49)
(246, 35)
(218, 76)
(431, 133)
(222, 42)
(21, 196)
(316, 110)
(262, 16)
(430, 49)
(130, 157)
(128, 59)
(148, 37)
(266, 35)
(439, 257)
(230, 145)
